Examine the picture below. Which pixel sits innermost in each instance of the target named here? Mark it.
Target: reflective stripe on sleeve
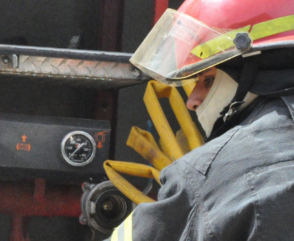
(124, 232)
(128, 226)
(114, 236)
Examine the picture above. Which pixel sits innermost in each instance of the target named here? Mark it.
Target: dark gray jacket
(237, 187)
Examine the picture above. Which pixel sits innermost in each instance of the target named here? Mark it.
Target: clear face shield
(179, 47)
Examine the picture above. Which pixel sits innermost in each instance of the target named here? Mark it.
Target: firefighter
(240, 184)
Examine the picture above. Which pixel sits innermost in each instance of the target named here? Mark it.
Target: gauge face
(78, 148)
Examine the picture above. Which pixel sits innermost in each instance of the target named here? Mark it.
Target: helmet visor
(179, 47)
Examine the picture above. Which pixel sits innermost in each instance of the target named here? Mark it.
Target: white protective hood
(220, 95)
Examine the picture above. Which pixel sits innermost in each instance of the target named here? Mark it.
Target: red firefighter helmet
(202, 34)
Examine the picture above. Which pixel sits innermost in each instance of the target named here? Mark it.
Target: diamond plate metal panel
(101, 69)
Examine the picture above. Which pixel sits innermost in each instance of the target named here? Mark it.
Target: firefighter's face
(199, 93)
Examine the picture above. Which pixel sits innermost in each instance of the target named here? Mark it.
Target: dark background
(52, 23)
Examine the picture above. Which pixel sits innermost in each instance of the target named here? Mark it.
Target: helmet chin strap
(247, 78)
(248, 75)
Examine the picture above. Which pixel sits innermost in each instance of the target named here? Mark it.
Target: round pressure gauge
(78, 148)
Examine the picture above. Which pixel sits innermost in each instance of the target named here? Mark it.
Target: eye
(208, 81)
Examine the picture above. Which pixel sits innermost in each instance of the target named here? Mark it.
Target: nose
(193, 101)
(197, 96)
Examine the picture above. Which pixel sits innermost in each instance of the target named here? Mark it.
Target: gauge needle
(78, 148)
